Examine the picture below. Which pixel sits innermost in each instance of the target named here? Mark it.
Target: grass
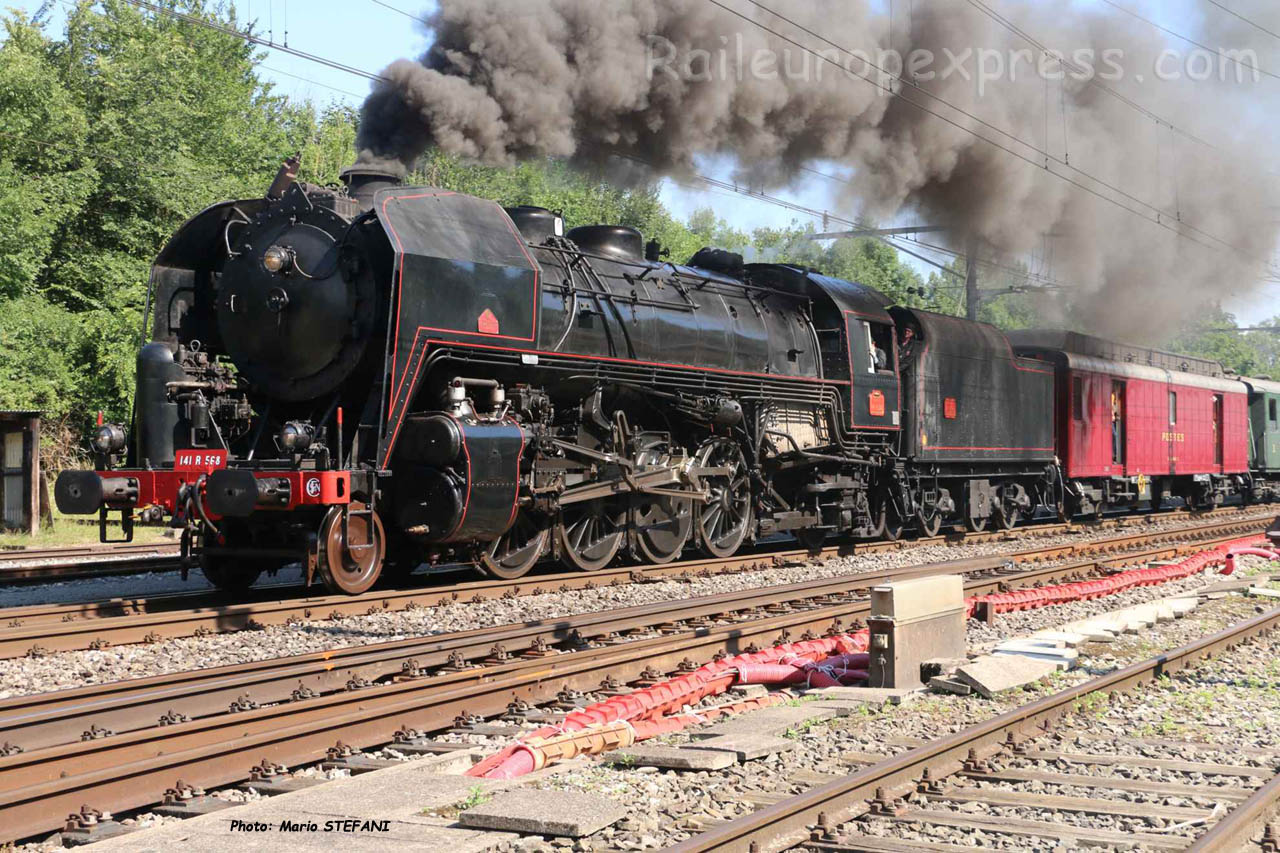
(72, 530)
(802, 729)
(476, 796)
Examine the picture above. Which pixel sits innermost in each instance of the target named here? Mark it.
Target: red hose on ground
(655, 702)
(1030, 599)
(1247, 550)
(650, 711)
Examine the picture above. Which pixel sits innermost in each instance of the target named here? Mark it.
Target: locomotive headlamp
(277, 258)
(295, 436)
(108, 438)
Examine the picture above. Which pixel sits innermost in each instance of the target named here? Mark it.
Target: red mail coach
(1137, 424)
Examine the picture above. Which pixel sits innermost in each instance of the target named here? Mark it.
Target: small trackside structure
(20, 472)
(912, 622)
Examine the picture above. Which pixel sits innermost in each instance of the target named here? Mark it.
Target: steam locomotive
(368, 378)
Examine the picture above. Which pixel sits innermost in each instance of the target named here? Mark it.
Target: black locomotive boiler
(370, 378)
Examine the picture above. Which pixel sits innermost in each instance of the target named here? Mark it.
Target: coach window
(1271, 412)
(1077, 398)
(1173, 407)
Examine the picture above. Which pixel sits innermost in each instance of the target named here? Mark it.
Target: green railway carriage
(1264, 425)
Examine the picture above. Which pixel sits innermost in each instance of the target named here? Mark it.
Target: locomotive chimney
(363, 181)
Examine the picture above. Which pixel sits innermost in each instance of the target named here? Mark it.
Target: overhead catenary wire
(1248, 21)
(367, 75)
(1180, 229)
(370, 76)
(1188, 40)
(1090, 79)
(724, 185)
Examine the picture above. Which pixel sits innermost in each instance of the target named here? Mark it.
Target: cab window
(879, 343)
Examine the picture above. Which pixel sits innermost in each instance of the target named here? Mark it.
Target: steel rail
(788, 823)
(166, 602)
(39, 720)
(38, 565)
(202, 598)
(135, 768)
(56, 628)
(1236, 830)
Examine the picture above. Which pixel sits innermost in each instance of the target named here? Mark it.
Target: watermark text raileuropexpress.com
(733, 60)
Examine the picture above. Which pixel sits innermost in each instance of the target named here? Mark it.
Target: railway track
(45, 629)
(121, 746)
(41, 565)
(21, 566)
(941, 773)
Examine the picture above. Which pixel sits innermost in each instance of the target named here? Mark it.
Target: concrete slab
(1069, 639)
(865, 695)
(950, 685)
(1183, 606)
(535, 812)
(749, 691)
(672, 758)
(1263, 592)
(1063, 659)
(369, 812)
(990, 674)
(768, 721)
(1094, 630)
(745, 747)
(1033, 643)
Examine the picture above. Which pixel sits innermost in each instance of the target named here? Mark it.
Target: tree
(1212, 334)
(111, 137)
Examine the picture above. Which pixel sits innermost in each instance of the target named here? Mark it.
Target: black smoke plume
(1170, 223)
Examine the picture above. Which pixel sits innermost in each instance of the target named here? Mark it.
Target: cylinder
(435, 440)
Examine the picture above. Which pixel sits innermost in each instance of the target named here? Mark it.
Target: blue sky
(367, 34)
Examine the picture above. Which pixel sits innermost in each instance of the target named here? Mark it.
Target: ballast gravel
(21, 676)
(669, 806)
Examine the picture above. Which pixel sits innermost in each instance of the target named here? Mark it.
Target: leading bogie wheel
(233, 573)
(351, 552)
(723, 522)
(517, 551)
(229, 574)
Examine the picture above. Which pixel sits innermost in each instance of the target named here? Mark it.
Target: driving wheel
(724, 521)
(517, 551)
(590, 533)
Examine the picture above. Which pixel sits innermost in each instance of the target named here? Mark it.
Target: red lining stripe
(540, 353)
(533, 336)
(515, 501)
(897, 377)
(466, 503)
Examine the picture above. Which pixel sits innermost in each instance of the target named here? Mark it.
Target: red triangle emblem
(487, 323)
